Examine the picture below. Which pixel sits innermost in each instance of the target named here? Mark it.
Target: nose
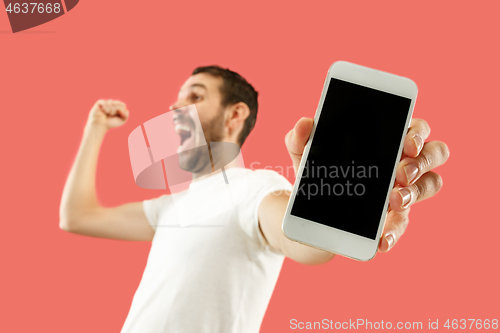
(178, 105)
(180, 110)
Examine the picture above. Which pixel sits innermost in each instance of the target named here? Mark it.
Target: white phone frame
(325, 237)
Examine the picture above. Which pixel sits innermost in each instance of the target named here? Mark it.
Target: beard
(214, 128)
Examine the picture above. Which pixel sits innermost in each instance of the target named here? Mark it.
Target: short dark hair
(235, 89)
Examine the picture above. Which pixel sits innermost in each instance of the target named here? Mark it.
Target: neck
(223, 155)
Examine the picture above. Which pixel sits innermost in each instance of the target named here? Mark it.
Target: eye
(196, 97)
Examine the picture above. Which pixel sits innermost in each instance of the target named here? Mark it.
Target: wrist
(95, 127)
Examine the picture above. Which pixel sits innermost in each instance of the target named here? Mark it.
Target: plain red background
(445, 266)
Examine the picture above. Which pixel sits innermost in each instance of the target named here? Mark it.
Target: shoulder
(153, 207)
(161, 200)
(262, 182)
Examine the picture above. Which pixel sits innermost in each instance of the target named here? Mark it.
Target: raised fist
(108, 113)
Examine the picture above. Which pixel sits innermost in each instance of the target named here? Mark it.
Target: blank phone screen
(348, 171)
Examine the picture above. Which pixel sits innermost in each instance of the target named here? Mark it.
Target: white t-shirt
(215, 274)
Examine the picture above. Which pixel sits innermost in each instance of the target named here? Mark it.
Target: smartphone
(340, 198)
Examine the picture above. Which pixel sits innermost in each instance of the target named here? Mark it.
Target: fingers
(425, 187)
(414, 177)
(121, 109)
(433, 154)
(113, 108)
(401, 199)
(417, 133)
(394, 227)
(296, 139)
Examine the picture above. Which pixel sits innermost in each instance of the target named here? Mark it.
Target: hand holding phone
(426, 183)
(340, 199)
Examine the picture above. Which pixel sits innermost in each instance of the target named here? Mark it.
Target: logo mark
(170, 150)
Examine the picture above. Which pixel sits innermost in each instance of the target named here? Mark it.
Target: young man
(220, 279)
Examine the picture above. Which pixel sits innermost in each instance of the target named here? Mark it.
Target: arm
(414, 178)
(80, 211)
(271, 212)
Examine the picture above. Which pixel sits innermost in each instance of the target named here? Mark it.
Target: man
(220, 279)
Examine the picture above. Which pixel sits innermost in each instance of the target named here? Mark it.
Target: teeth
(181, 127)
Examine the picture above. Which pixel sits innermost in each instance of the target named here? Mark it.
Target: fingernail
(390, 241)
(419, 143)
(405, 196)
(411, 171)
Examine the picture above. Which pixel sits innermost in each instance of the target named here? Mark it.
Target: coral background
(444, 267)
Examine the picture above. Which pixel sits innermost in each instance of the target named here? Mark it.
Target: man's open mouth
(185, 132)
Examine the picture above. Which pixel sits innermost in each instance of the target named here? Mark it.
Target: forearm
(271, 213)
(79, 195)
(305, 254)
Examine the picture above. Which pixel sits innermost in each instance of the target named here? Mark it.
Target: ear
(235, 118)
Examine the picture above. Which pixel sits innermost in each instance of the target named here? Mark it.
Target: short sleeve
(153, 209)
(260, 184)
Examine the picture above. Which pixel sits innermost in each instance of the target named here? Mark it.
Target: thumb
(296, 140)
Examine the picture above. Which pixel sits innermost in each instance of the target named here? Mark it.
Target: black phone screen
(350, 163)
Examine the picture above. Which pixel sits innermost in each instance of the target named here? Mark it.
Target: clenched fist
(108, 113)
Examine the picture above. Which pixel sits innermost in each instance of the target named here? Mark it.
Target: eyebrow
(198, 85)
